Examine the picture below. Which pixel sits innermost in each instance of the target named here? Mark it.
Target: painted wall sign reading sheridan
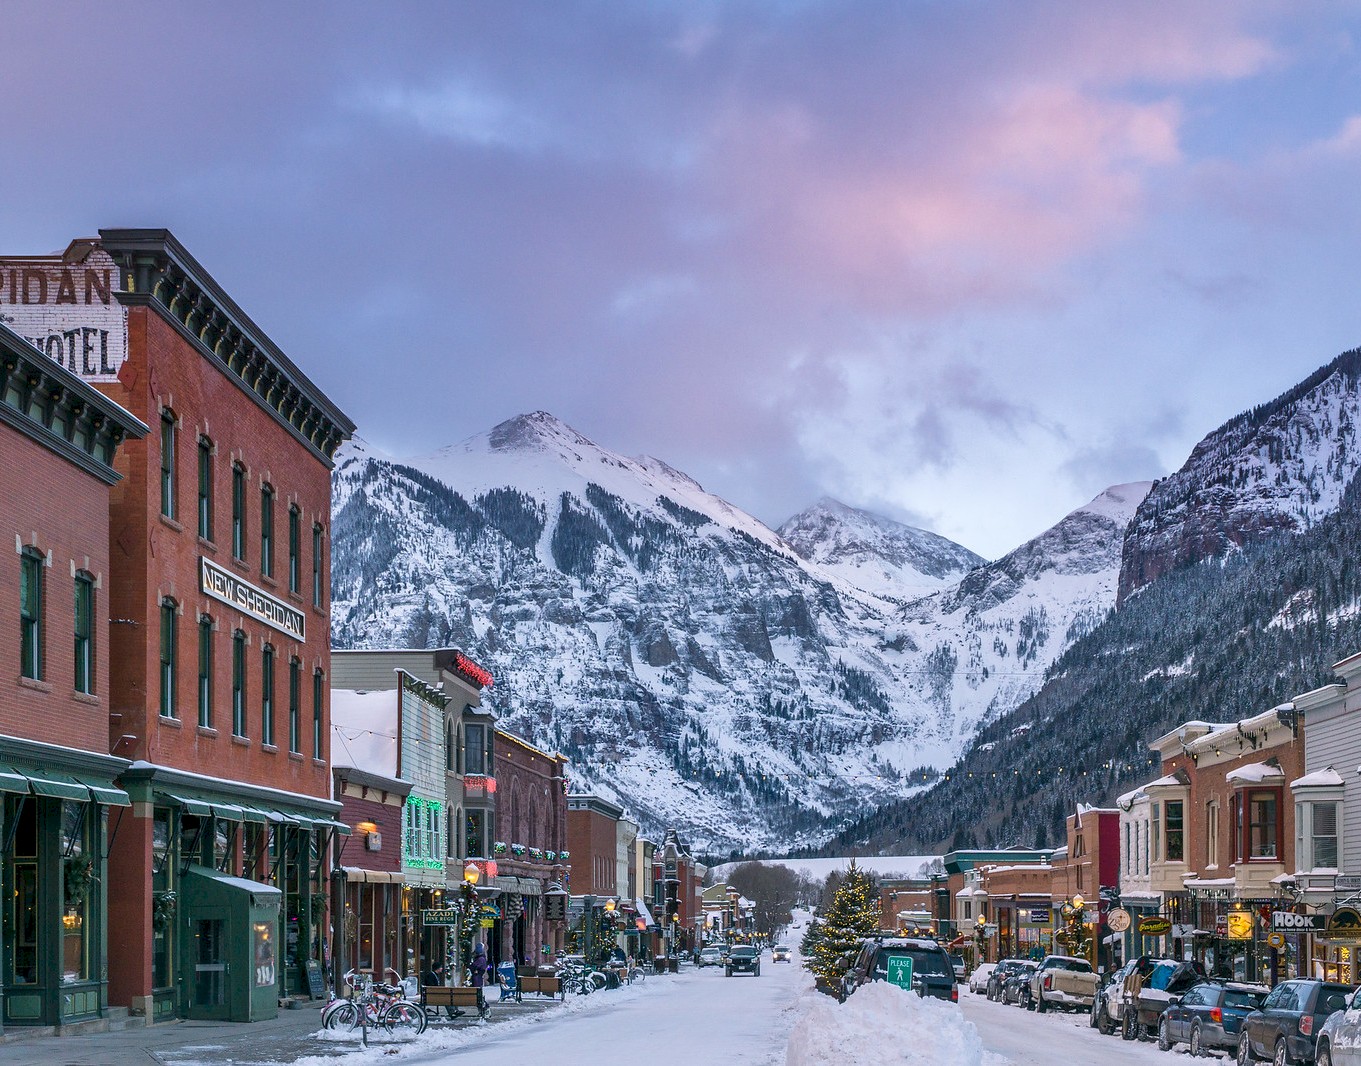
(64, 305)
(255, 602)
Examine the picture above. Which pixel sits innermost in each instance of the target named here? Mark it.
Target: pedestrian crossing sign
(900, 970)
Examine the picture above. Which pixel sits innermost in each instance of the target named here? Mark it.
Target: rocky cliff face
(688, 659)
(1278, 468)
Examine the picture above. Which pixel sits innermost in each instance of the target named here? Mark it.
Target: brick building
(532, 820)
(367, 936)
(219, 649)
(58, 438)
(592, 843)
(1222, 834)
(1088, 868)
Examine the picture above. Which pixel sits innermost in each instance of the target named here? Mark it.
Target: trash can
(673, 964)
(660, 963)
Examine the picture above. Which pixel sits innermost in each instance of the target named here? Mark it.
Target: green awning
(58, 786)
(340, 827)
(108, 795)
(13, 781)
(187, 805)
(228, 812)
(250, 814)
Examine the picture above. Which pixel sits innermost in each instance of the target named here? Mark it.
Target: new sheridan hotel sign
(256, 602)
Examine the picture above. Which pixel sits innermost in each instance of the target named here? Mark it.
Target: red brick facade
(592, 840)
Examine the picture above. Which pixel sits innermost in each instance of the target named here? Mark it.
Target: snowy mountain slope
(684, 656)
(993, 635)
(874, 553)
(1278, 468)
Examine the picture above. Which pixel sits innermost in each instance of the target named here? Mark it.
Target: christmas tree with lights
(852, 916)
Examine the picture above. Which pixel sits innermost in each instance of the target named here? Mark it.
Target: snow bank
(884, 1025)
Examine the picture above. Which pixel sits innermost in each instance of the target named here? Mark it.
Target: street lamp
(471, 873)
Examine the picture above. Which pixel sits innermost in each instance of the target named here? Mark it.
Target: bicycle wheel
(598, 979)
(405, 1017)
(343, 1015)
(637, 974)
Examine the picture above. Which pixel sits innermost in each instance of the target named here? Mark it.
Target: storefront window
(1262, 825)
(78, 890)
(22, 935)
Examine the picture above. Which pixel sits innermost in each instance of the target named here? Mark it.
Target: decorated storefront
(57, 809)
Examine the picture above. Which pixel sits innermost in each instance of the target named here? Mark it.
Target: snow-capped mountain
(875, 553)
(688, 659)
(1278, 468)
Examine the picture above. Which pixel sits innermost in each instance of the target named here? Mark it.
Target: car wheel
(1029, 1002)
(1094, 1022)
(1040, 1005)
(1196, 1050)
(1244, 1056)
(1164, 1037)
(1324, 1056)
(1105, 1026)
(1282, 1056)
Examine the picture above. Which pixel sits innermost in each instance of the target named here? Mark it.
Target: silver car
(1339, 1041)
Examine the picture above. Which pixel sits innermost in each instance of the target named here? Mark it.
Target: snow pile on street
(884, 1025)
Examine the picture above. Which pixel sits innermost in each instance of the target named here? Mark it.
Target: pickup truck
(1063, 981)
(1108, 1011)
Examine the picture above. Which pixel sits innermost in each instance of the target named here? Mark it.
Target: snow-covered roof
(1126, 800)
(1192, 881)
(1325, 778)
(1254, 773)
(1164, 782)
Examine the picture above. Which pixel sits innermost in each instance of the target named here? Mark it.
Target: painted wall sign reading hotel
(65, 307)
(257, 603)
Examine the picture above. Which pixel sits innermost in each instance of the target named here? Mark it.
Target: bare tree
(772, 888)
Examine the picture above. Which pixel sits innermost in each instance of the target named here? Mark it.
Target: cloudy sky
(964, 263)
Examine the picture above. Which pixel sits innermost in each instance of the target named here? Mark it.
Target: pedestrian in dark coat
(479, 967)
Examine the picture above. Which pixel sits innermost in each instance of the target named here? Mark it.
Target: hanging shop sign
(1290, 922)
(1154, 925)
(440, 916)
(1275, 940)
(1343, 924)
(1239, 925)
(1040, 916)
(67, 310)
(1117, 920)
(1347, 883)
(223, 585)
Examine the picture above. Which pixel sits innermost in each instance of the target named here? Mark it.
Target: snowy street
(1024, 1038)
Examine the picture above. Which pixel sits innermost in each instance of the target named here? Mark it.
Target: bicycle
(378, 1004)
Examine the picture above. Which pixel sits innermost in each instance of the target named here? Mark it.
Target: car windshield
(709, 951)
(743, 953)
(1077, 965)
(780, 947)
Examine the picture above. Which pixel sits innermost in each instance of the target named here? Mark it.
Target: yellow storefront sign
(1239, 924)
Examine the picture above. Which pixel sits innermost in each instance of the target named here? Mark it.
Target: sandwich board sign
(900, 970)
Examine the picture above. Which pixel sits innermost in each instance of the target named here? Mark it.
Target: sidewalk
(285, 1039)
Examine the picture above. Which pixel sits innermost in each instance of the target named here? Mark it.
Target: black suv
(1286, 1027)
(924, 963)
(743, 959)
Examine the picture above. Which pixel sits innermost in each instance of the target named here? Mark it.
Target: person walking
(479, 967)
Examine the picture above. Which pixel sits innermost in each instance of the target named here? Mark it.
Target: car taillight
(954, 993)
(1216, 1016)
(1048, 982)
(1306, 1025)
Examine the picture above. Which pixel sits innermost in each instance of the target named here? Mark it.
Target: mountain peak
(536, 431)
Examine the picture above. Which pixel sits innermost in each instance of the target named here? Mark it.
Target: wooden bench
(543, 986)
(453, 999)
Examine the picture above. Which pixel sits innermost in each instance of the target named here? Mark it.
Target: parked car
(1062, 981)
(743, 959)
(710, 957)
(957, 964)
(779, 953)
(932, 974)
(1209, 1015)
(981, 977)
(1005, 969)
(1108, 1008)
(1017, 987)
(1339, 1041)
(1286, 1027)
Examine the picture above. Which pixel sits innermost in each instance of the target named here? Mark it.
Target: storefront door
(211, 968)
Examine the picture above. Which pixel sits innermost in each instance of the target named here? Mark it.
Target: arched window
(238, 684)
(267, 695)
(31, 614)
(169, 658)
(167, 463)
(85, 633)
